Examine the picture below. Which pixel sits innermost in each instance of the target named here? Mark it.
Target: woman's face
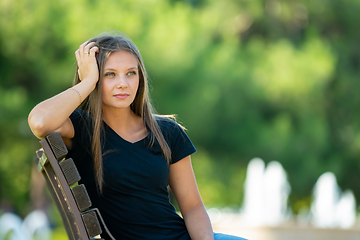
(120, 80)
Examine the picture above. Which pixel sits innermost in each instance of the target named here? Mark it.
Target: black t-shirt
(135, 200)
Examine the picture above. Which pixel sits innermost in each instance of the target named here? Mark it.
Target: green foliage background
(274, 79)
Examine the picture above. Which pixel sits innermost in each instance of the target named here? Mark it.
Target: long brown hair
(141, 106)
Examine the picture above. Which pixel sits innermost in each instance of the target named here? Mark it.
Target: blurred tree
(274, 79)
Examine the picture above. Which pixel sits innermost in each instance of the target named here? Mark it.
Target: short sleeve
(179, 142)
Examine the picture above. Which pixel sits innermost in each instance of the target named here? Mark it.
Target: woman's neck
(121, 118)
(126, 123)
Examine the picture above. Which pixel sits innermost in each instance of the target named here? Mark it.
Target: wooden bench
(72, 200)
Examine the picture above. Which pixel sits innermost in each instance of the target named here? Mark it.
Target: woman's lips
(121, 95)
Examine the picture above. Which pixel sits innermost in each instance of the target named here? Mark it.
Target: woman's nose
(121, 83)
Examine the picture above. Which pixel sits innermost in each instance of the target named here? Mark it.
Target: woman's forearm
(198, 224)
(50, 114)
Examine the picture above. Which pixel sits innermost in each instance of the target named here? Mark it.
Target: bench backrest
(72, 199)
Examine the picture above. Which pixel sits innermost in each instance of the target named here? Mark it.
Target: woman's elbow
(37, 126)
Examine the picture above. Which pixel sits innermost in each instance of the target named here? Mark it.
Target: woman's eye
(131, 73)
(109, 74)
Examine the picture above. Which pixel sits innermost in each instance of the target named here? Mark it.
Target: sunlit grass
(59, 234)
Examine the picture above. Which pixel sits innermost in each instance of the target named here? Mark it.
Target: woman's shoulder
(167, 122)
(174, 134)
(170, 128)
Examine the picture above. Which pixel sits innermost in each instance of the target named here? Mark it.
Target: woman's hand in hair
(87, 65)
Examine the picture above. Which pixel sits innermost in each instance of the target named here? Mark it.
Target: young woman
(126, 155)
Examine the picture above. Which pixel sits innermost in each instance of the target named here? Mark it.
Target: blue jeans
(221, 236)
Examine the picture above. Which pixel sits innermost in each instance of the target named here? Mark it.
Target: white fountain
(11, 223)
(253, 207)
(346, 210)
(265, 194)
(276, 191)
(34, 226)
(264, 209)
(37, 225)
(326, 195)
(331, 208)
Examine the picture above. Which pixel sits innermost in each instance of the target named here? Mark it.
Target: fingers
(81, 48)
(93, 50)
(88, 47)
(77, 55)
(86, 61)
(85, 47)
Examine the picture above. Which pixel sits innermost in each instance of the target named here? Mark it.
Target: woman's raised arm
(53, 114)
